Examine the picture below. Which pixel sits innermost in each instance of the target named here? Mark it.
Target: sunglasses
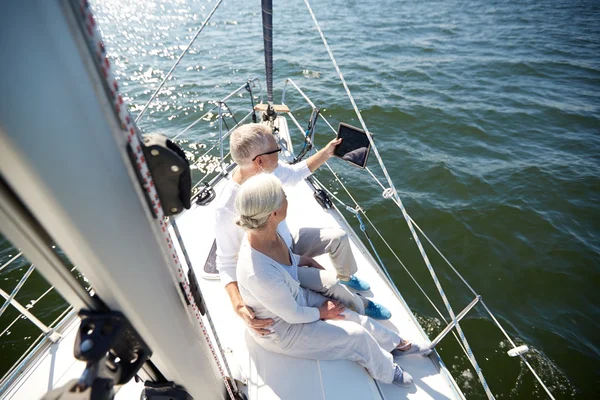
(267, 153)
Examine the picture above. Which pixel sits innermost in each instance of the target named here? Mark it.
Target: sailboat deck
(275, 376)
(268, 375)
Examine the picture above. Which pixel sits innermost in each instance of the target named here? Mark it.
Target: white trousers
(313, 242)
(356, 338)
(326, 283)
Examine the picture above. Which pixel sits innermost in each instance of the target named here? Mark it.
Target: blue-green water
(487, 114)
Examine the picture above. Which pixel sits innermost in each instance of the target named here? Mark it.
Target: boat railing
(49, 333)
(389, 192)
(223, 111)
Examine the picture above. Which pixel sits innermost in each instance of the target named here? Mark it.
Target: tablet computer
(355, 146)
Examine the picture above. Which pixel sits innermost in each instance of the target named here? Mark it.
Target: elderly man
(255, 150)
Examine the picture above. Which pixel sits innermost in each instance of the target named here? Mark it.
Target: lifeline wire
(387, 194)
(471, 356)
(371, 223)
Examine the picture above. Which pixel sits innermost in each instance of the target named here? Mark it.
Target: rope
(129, 129)
(209, 319)
(178, 60)
(471, 356)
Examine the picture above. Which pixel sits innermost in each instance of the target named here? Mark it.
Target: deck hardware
(164, 390)
(108, 336)
(170, 170)
(454, 322)
(517, 351)
(113, 352)
(206, 195)
(322, 198)
(86, 345)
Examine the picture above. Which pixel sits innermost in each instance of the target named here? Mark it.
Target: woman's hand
(306, 261)
(258, 325)
(331, 309)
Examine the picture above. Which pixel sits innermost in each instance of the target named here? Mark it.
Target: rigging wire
(471, 356)
(11, 260)
(177, 62)
(386, 194)
(357, 206)
(253, 82)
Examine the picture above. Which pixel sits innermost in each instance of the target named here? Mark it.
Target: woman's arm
(274, 294)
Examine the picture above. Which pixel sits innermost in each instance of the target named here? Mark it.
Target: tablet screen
(355, 145)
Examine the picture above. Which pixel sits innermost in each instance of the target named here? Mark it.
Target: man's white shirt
(229, 235)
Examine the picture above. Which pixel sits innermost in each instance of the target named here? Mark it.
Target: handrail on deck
(10, 300)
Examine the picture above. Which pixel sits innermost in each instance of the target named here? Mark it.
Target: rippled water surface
(487, 114)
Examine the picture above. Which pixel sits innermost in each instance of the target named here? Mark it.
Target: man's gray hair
(248, 141)
(257, 199)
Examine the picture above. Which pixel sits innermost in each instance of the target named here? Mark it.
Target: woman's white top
(229, 235)
(270, 289)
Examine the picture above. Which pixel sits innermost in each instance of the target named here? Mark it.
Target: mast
(267, 19)
(64, 156)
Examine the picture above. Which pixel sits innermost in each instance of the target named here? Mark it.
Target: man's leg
(313, 242)
(325, 283)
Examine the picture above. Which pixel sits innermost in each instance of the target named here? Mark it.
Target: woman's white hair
(257, 199)
(247, 141)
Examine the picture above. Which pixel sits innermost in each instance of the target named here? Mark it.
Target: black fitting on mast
(270, 115)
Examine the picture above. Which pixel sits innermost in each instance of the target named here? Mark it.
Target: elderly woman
(306, 324)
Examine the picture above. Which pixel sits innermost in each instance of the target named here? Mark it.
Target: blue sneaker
(377, 311)
(356, 284)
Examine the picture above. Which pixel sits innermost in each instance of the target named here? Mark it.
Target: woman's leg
(327, 284)
(338, 340)
(386, 338)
